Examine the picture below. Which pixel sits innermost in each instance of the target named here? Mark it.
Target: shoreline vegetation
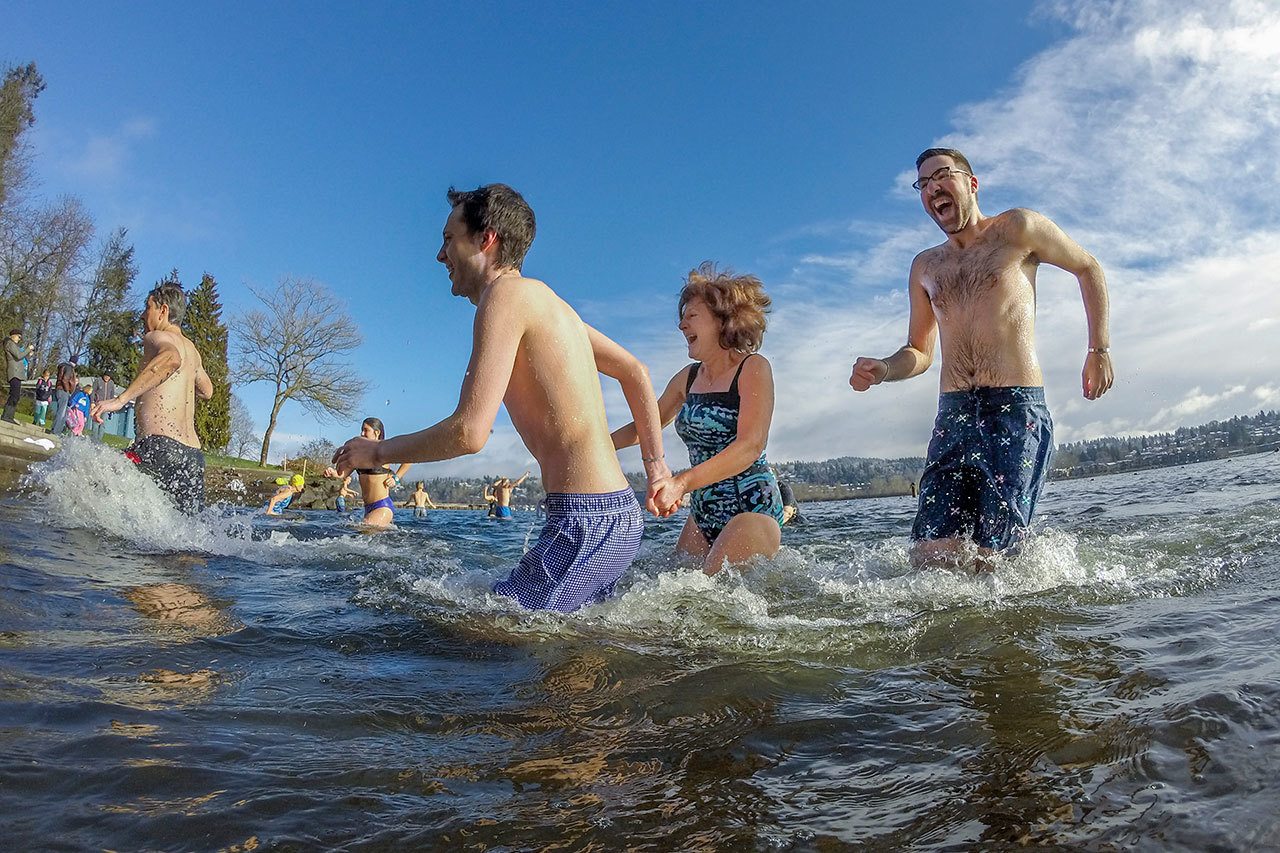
(244, 482)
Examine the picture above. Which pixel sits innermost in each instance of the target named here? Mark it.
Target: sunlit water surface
(236, 682)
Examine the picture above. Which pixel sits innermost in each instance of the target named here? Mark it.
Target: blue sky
(255, 141)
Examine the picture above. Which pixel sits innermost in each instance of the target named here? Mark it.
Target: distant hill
(864, 477)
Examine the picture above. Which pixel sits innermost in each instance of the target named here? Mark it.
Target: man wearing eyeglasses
(993, 437)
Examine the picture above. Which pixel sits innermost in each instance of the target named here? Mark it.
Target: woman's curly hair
(737, 301)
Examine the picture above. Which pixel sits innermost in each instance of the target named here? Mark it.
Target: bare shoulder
(756, 369)
(1019, 222)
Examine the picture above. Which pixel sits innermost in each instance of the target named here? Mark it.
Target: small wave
(87, 485)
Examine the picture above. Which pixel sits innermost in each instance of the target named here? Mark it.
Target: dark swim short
(988, 459)
(176, 468)
(586, 545)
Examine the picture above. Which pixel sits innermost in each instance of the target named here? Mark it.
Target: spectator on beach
(103, 389)
(722, 406)
(15, 355)
(63, 388)
(78, 408)
(44, 393)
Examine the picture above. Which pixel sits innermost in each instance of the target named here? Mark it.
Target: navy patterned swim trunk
(988, 459)
(586, 545)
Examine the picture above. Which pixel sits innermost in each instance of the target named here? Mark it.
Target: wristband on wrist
(1100, 350)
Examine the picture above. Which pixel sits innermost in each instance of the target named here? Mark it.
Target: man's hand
(1097, 376)
(356, 453)
(665, 496)
(105, 407)
(868, 372)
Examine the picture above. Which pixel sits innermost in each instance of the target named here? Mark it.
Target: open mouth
(942, 205)
(690, 339)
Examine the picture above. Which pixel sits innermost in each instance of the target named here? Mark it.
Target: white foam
(88, 485)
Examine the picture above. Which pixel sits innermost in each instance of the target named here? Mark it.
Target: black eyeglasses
(938, 175)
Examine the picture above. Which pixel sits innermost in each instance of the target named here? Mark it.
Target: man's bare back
(532, 352)
(553, 396)
(169, 408)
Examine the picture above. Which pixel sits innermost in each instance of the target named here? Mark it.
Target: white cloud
(104, 157)
(1152, 135)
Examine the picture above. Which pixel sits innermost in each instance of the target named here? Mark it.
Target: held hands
(356, 453)
(868, 372)
(105, 407)
(665, 496)
(1097, 376)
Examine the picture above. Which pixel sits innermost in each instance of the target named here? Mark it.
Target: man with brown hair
(532, 352)
(993, 436)
(169, 380)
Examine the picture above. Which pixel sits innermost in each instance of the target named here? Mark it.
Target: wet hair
(377, 426)
(961, 160)
(171, 294)
(422, 485)
(737, 301)
(498, 208)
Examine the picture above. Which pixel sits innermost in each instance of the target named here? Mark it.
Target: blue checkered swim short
(586, 545)
(987, 462)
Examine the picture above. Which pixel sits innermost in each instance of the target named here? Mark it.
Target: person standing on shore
(44, 393)
(170, 378)
(532, 352)
(63, 388)
(103, 389)
(15, 355)
(993, 436)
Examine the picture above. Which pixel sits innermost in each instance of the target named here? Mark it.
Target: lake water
(238, 683)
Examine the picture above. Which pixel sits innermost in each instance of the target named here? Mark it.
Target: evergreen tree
(116, 348)
(204, 327)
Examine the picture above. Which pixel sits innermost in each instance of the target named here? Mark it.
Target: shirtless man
(420, 500)
(531, 351)
(166, 387)
(993, 436)
(503, 487)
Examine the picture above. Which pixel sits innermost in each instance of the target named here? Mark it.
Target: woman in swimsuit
(722, 405)
(376, 483)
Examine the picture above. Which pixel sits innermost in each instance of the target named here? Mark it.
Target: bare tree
(296, 344)
(244, 432)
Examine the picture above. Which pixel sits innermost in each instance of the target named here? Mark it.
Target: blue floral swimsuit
(708, 423)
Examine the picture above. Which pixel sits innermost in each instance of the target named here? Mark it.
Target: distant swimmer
(421, 500)
(532, 352)
(722, 405)
(376, 481)
(344, 492)
(291, 491)
(993, 436)
(499, 495)
(165, 390)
